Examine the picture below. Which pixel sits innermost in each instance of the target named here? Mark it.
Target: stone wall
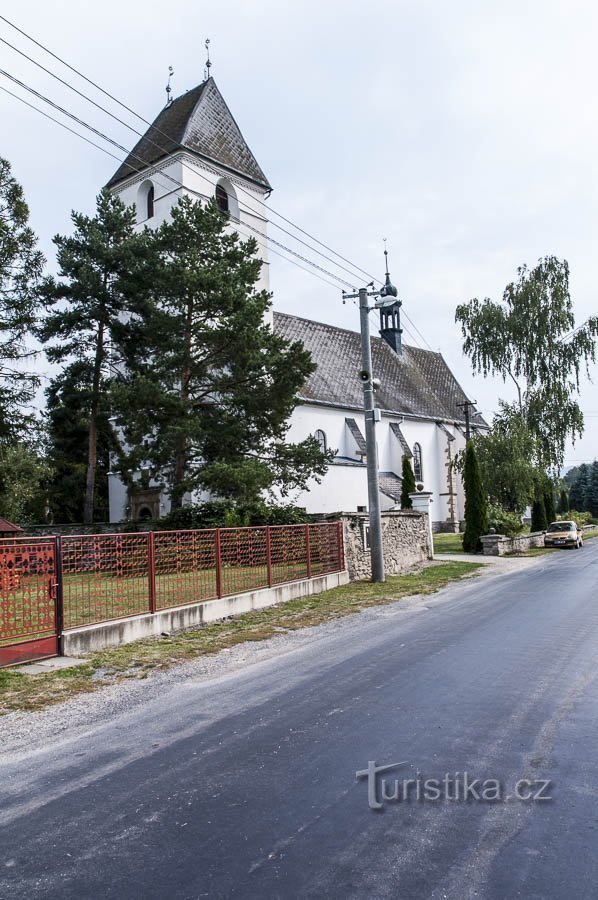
(500, 544)
(405, 541)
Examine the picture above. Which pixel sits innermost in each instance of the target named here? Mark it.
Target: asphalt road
(244, 784)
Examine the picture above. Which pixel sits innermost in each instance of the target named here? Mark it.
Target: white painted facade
(344, 487)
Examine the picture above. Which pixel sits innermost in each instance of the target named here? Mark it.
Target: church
(195, 148)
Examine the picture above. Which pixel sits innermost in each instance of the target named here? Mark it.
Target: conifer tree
(539, 522)
(408, 486)
(208, 388)
(21, 265)
(101, 269)
(549, 506)
(563, 502)
(476, 503)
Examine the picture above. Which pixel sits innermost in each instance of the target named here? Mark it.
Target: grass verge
(138, 659)
(448, 543)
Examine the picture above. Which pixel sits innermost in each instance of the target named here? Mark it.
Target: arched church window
(222, 200)
(320, 437)
(150, 202)
(417, 463)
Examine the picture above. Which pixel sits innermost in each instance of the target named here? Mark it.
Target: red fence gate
(28, 609)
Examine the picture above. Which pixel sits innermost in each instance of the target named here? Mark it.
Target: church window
(222, 200)
(320, 437)
(150, 202)
(417, 463)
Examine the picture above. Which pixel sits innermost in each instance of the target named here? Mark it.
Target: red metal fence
(28, 608)
(53, 584)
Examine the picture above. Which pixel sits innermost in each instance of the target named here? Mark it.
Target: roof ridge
(374, 337)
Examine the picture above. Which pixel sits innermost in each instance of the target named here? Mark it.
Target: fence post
(151, 553)
(308, 551)
(218, 565)
(341, 546)
(268, 556)
(59, 601)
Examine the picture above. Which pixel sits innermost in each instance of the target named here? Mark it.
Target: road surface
(243, 783)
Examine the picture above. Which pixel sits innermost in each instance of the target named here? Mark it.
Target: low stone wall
(405, 541)
(500, 544)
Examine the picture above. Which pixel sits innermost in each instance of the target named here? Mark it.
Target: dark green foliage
(21, 267)
(208, 388)
(583, 495)
(102, 268)
(228, 514)
(24, 475)
(476, 503)
(549, 505)
(563, 502)
(539, 522)
(503, 521)
(69, 400)
(531, 338)
(506, 458)
(408, 485)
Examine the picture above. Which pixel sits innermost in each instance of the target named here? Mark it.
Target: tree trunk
(180, 461)
(92, 444)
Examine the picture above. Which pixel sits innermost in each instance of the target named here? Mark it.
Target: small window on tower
(150, 202)
(222, 200)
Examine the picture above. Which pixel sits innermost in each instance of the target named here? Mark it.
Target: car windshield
(562, 526)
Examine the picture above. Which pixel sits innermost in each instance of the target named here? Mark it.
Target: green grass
(448, 543)
(137, 660)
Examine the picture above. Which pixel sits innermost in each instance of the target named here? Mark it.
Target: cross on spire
(208, 66)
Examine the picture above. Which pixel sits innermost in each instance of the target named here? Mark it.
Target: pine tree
(208, 389)
(563, 502)
(101, 271)
(408, 486)
(21, 265)
(476, 503)
(68, 405)
(579, 493)
(593, 490)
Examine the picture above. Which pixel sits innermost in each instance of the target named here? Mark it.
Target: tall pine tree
(21, 265)
(102, 267)
(208, 387)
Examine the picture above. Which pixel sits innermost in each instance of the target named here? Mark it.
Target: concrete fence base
(89, 638)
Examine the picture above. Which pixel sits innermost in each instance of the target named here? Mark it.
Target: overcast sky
(466, 133)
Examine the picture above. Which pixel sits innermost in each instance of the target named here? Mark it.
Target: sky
(466, 134)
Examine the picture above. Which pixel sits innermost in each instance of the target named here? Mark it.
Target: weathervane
(206, 71)
(168, 88)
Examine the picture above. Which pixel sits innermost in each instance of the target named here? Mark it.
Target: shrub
(228, 514)
(503, 521)
(580, 518)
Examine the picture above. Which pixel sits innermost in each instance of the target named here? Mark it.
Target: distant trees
(531, 338)
(583, 494)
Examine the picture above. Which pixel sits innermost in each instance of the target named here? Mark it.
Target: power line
(178, 184)
(142, 119)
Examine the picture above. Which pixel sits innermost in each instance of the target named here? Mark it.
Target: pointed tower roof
(198, 121)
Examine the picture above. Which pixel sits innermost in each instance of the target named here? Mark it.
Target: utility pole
(466, 406)
(372, 415)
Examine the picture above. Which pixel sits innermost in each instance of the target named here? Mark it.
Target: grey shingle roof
(390, 484)
(357, 435)
(396, 430)
(198, 121)
(416, 383)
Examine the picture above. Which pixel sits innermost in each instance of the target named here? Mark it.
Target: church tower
(195, 148)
